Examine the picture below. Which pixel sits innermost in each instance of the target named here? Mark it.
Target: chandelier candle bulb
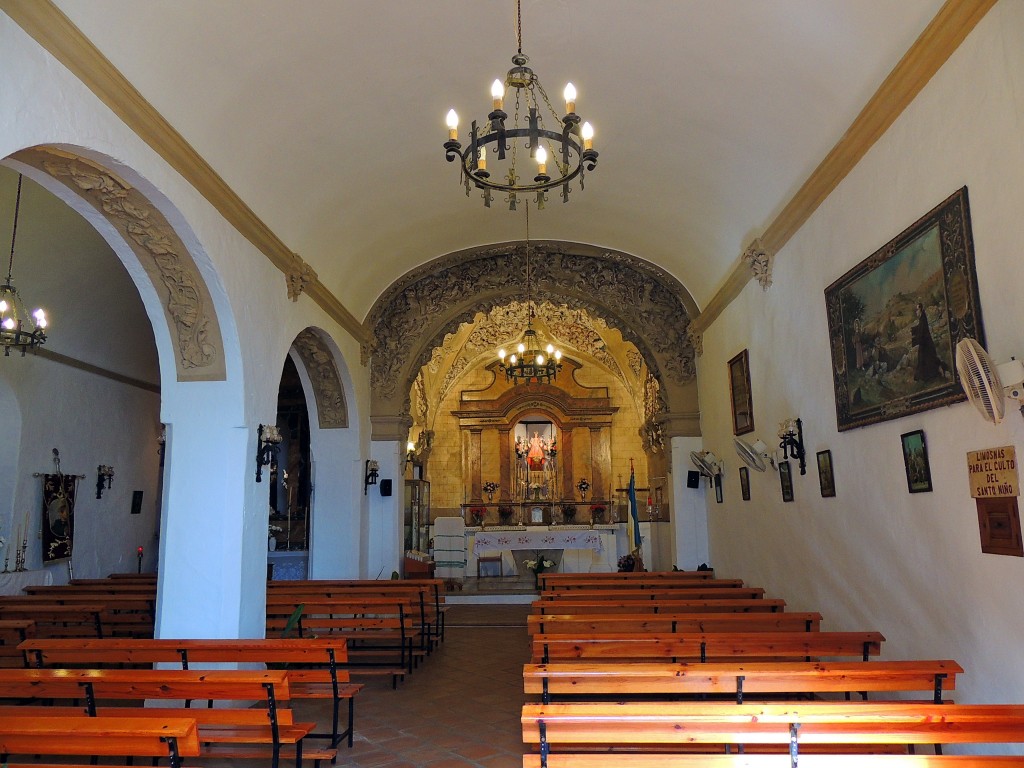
(497, 94)
(481, 162)
(570, 98)
(587, 132)
(542, 161)
(453, 125)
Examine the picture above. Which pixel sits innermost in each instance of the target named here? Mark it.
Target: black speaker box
(693, 479)
(385, 487)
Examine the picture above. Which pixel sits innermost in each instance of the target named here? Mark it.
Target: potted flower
(538, 565)
(489, 488)
(271, 538)
(627, 564)
(583, 486)
(568, 513)
(597, 513)
(478, 514)
(505, 513)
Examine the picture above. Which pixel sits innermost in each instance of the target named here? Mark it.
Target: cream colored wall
(876, 557)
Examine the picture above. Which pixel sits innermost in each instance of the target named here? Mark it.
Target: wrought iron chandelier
(531, 362)
(18, 329)
(567, 153)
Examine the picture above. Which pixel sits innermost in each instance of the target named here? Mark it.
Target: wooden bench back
(715, 646)
(150, 736)
(739, 679)
(679, 622)
(611, 605)
(688, 592)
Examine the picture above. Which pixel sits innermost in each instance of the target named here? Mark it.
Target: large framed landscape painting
(894, 320)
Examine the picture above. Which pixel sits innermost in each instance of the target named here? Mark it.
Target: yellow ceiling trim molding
(931, 50)
(48, 26)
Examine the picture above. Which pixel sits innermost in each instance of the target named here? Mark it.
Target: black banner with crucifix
(58, 516)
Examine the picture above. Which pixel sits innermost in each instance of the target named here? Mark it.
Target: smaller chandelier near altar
(560, 155)
(18, 328)
(530, 362)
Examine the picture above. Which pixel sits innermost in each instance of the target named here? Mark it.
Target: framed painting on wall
(739, 392)
(826, 479)
(894, 320)
(915, 461)
(745, 483)
(786, 480)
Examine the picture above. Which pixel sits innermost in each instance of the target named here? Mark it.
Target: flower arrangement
(597, 513)
(489, 488)
(539, 564)
(505, 514)
(583, 485)
(568, 513)
(478, 514)
(272, 529)
(627, 564)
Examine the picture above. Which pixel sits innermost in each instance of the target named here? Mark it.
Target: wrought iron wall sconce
(410, 452)
(372, 473)
(267, 438)
(791, 441)
(104, 478)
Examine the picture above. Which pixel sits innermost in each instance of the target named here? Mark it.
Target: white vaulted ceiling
(327, 116)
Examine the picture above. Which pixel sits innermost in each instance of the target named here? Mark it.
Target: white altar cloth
(509, 540)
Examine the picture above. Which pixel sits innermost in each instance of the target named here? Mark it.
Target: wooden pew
(121, 614)
(429, 593)
(262, 733)
(677, 622)
(315, 665)
(79, 620)
(705, 647)
(555, 580)
(157, 735)
(624, 732)
(739, 679)
(382, 637)
(687, 592)
(613, 605)
(13, 632)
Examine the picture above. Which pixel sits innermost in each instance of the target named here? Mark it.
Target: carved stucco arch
(324, 378)
(649, 307)
(188, 307)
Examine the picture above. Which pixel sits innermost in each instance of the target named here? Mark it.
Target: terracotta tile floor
(459, 709)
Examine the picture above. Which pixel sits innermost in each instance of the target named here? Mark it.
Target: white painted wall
(385, 546)
(689, 513)
(876, 557)
(214, 538)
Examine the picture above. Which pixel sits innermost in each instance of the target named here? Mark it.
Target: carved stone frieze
(422, 407)
(299, 276)
(644, 303)
(180, 287)
(760, 262)
(653, 403)
(636, 362)
(696, 340)
(652, 436)
(328, 390)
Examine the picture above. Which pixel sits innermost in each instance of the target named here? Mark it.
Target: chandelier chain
(519, 25)
(14, 231)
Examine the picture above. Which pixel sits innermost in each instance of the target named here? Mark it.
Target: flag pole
(635, 540)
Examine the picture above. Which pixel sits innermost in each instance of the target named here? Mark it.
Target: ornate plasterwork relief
(760, 262)
(644, 303)
(299, 276)
(328, 390)
(186, 301)
(696, 340)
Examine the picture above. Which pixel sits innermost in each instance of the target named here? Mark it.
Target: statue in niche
(537, 455)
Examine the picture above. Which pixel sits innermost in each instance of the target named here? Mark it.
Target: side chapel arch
(191, 328)
(648, 306)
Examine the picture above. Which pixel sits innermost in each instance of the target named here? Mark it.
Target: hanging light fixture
(569, 150)
(531, 362)
(18, 329)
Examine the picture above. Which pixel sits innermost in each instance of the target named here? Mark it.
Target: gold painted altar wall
(595, 421)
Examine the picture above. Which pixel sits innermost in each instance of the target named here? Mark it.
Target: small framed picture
(718, 488)
(826, 480)
(915, 461)
(537, 515)
(739, 392)
(786, 479)
(745, 483)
